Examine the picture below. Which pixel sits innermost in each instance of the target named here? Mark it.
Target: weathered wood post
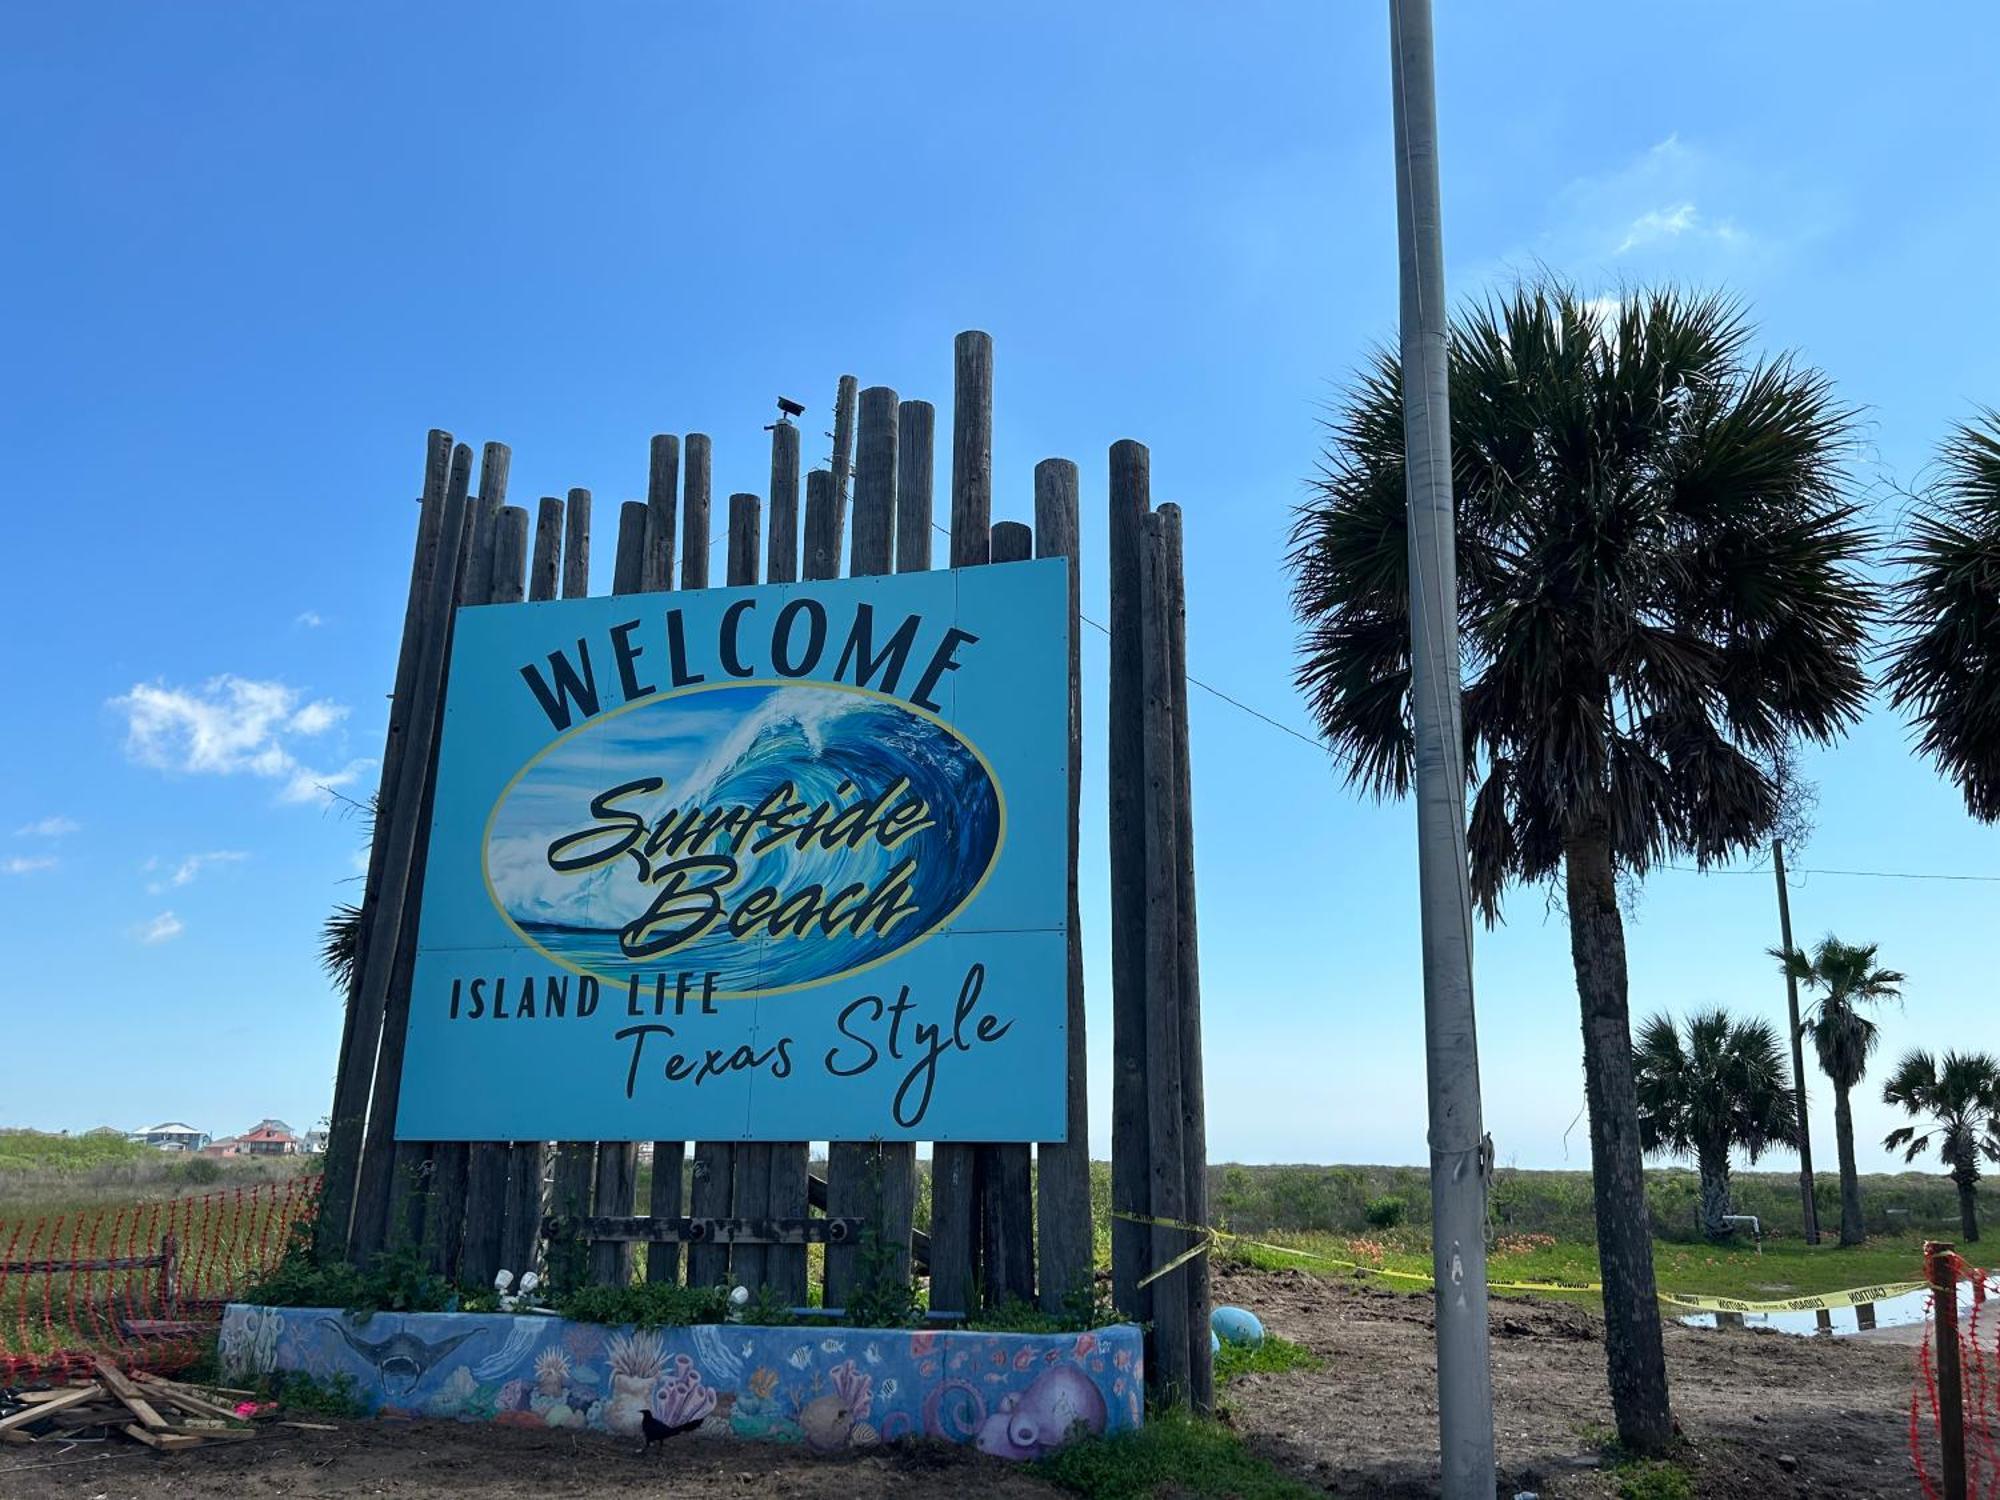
(361, 1032)
(1941, 1271)
(749, 1265)
(663, 479)
(915, 426)
(576, 1161)
(1062, 1183)
(406, 819)
(1193, 1100)
(1131, 1193)
(1006, 1168)
(545, 564)
(782, 566)
(954, 1249)
(694, 535)
(1167, 1362)
(843, 444)
(865, 1179)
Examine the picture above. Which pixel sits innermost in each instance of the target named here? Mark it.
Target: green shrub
(1386, 1212)
(1172, 1454)
(1654, 1479)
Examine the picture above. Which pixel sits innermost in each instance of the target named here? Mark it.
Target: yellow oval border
(992, 777)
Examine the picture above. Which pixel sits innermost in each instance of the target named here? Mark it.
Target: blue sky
(254, 252)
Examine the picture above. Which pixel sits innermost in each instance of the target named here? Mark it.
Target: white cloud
(28, 864)
(53, 827)
(1664, 201)
(232, 726)
(162, 929)
(193, 865)
(1659, 224)
(310, 618)
(307, 785)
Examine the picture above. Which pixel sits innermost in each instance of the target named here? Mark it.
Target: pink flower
(1024, 1359)
(922, 1343)
(1085, 1342)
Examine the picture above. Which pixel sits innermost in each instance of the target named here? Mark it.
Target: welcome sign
(778, 863)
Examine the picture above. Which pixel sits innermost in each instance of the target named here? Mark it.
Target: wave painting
(773, 835)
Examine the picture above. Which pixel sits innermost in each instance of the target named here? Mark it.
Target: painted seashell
(864, 1435)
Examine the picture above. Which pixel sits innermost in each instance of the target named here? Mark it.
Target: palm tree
(1944, 667)
(1847, 979)
(1726, 1089)
(1660, 589)
(1960, 1101)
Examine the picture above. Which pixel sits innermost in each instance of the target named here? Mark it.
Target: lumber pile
(166, 1415)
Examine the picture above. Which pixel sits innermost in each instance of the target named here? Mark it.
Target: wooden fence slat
(1194, 1106)
(406, 822)
(1167, 1359)
(770, 1233)
(782, 545)
(694, 520)
(1062, 1181)
(663, 1262)
(915, 425)
(1130, 1192)
(663, 478)
(361, 1029)
(521, 1227)
(485, 1209)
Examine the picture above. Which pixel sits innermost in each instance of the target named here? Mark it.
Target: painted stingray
(401, 1354)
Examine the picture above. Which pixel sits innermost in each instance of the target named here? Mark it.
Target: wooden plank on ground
(113, 1380)
(42, 1409)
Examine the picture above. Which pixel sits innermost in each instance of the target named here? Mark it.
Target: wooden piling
(1941, 1271)
(545, 564)
(663, 479)
(628, 566)
(361, 1030)
(870, 1179)
(404, 823)
(1168, 1369)
(843, 443)
(1130, 1192)
(1006, 1174)
(1062, 1179)
(510, 555)
(873, 547)
(1193, 1093)
(493, 465)
(971, 448)
(782, 565)
(955, 1232)
(822, 531)
(744, 535)
(916, 422)
(576, 546)
(694, 533)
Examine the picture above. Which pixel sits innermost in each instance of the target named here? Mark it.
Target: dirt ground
(1763, 1415)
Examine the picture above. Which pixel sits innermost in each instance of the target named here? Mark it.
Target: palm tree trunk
(1635, 1359)
(1714, 1168)
(1852, 1230)
(1968, 1208)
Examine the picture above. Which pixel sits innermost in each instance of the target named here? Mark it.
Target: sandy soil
(1764, 1415)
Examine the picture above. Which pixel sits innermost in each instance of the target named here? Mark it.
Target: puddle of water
(1892, 1312)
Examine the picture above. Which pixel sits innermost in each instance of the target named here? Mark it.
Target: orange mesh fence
(1979, 1380)
(144, 1282)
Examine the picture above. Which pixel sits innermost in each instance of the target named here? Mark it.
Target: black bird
(656, 1431)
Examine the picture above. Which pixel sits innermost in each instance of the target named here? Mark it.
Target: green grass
(1275, 1356)
(1786, 1268)
(1172, 1454)
(1653, 1479)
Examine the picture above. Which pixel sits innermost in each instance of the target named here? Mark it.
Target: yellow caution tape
(1692, 1301)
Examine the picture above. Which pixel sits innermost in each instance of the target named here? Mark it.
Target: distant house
(174, 1135)
(269, 1138)
(229, 1145)
(104, 1130)
(313, 1143)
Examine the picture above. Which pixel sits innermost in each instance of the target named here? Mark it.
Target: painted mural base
(1012, 1395)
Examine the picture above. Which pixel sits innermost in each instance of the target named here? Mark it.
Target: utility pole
(1810, 1209)
(1459, 1149)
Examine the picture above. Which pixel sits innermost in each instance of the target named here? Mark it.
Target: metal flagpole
(1459, 1151)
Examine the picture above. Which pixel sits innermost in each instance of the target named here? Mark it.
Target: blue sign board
(778, 863)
